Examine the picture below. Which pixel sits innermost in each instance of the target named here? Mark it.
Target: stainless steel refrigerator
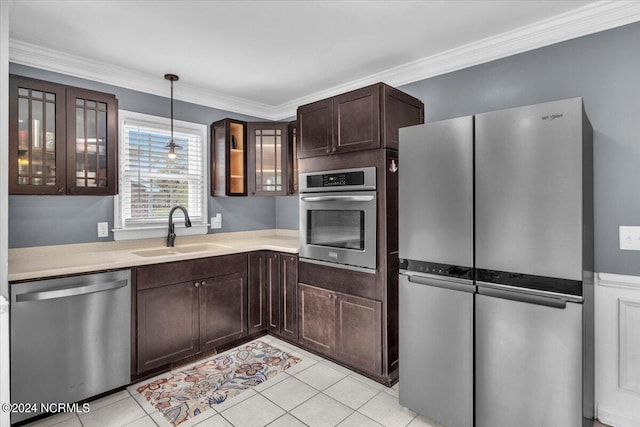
(534, 266)
(522, 178)
(436, 281)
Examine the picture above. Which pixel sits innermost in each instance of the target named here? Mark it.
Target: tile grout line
(146, 414)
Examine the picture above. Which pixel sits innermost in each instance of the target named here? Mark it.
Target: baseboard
(616, 420)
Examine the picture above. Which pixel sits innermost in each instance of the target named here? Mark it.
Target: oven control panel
(348, 179)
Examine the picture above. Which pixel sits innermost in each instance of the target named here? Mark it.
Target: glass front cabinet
(62, 140)
(268, 158)
(255, 159)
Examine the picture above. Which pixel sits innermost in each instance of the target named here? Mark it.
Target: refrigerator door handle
(521, 297)
(532, 292)
(455, 284)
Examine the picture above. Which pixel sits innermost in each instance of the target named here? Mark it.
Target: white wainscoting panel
(617, 320)
(629, 321)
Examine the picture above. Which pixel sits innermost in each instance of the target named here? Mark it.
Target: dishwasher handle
(455, 284)
(522, 297)
(70, 291)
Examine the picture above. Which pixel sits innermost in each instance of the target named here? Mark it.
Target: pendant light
(172, 146)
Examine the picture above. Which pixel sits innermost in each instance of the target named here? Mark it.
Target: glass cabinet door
(268, 146)
(37, 137)
(62, 140)
(91, 135)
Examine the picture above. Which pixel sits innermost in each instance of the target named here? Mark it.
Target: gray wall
(55, 220)
(602, 68)
(287, 212)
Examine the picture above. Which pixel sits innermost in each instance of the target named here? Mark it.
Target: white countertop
(46, 261)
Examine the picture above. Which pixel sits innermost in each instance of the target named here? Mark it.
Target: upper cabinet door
(356, 118)
(268, 158)
(315, 129)
(36, 137)
(63, 140)
(229, 158)
(92, 125)
(292, 157)
(362, 119)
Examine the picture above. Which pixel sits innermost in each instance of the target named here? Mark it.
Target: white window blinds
(151, 183)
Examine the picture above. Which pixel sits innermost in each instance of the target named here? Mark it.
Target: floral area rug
(188, 393)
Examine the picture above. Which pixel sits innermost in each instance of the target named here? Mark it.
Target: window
(151, 183)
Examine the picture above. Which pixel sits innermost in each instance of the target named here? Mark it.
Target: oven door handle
(338, 198)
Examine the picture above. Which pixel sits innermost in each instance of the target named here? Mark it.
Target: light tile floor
(314, 392)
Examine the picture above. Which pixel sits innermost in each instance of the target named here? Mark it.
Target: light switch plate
(629, 238)
(216, 221)
(103, 229)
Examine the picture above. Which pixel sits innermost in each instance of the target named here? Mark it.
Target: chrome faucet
(171, 237)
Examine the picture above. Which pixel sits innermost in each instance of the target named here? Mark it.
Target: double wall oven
(338, 218)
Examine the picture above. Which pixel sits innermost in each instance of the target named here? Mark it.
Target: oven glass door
(336, 228)
(339, 228)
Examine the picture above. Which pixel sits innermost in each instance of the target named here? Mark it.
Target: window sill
(134, 233)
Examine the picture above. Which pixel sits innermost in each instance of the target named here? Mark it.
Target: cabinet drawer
(152, 276)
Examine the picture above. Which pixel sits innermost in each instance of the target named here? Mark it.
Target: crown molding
(592, 18)
(60, 62)
(589, 19)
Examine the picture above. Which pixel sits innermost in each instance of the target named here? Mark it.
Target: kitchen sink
(204, 247)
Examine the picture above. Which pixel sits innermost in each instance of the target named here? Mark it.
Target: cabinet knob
(334, 149)
(203, 283)
(60, 189)
(196, 284)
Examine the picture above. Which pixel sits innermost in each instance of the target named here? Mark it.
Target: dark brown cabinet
(358, 332)
(256, 158)
(273, 279)
(268, 158)
(316, 314)
(257, 305)
(187, 307)
(292, 158)
(343, 326)
(167, 324)
(222, 310)
(362, 119)
(229, 158)
(272, 283)
(62, 139)
(289, 296)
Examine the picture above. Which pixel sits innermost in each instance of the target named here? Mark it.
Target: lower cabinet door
(257, 297)
(167, 319)
(273, 292)
(359, 332)
(289, 296)
(316, 314)
(223, 308)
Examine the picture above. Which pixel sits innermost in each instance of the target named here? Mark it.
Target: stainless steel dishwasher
(70, 338)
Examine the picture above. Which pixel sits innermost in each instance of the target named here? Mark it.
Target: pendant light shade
(172, 146)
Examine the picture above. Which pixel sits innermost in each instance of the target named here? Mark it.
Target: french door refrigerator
(436, 288)
(534, 264)
(499, 204)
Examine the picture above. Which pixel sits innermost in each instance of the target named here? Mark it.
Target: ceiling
(264, 58)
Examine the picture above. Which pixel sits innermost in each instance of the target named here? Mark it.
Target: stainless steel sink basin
(204, 247)
(156, 252)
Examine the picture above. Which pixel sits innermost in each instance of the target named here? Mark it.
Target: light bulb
(172, 153)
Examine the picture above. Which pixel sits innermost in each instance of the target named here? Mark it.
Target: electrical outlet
(103, 229)
(216, 221)
(629, 238)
